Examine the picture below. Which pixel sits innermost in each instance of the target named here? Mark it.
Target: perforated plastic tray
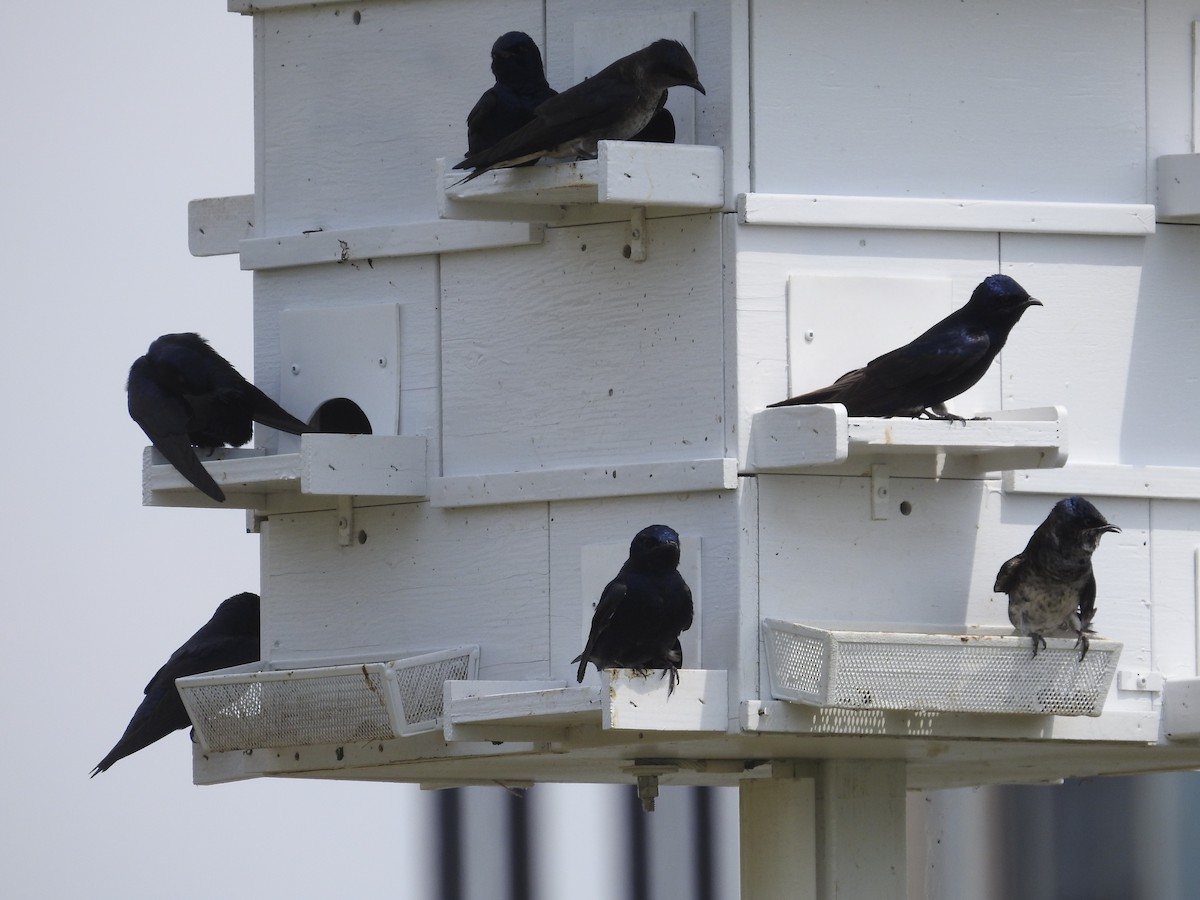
(247, 707)
(976, 672)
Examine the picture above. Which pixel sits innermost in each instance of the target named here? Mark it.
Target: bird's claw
(1037, 639)
(1082, 640)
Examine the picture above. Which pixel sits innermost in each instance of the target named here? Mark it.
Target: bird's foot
(1082, 639)
(674, 679)
(1037, 639)
(938, 412)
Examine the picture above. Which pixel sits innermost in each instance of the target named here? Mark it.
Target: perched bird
(918, 378)
(614, 104)
(520, 87)
(1051, 584)
(661, 127)
(642, 611)
(183, 393)
(229, 638)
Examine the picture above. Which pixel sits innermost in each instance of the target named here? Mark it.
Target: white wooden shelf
(1110, 480)
(508, 710)
(663, 179)
(225, 225)
(945, 214)
(585, 482)
(798, 438)
(1179, 188)
(326, 466)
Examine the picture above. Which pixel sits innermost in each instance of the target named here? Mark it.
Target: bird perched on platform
(614, 104)
(918, 378)
(642, 611)
(183, 393)
(1051, 585)
(519, 89)
(229, 638)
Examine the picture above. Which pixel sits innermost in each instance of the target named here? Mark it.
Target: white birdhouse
(537, 363)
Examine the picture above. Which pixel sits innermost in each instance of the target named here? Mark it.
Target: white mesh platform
(977, 672)
(247, 707)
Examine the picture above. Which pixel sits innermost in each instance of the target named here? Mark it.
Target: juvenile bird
(229, 638)
(1051, 585)
(614, 104)
(183, 393)
(642, 611)
(520, 87)
(918, 378)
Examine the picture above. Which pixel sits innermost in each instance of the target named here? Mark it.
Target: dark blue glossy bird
(642, 611)
(183, 394)
(519, 89)
(229, 638)
(918, 378)
(614, 104)
(1051, 585)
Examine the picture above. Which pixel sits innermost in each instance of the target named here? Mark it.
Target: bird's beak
(698, 86)
(1034, 301)
(1104, 529)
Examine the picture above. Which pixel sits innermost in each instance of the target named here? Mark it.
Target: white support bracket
(635, 250)
(345, 519)
(879, 491)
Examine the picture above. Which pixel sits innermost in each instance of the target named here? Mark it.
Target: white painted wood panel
(423, 578)
(570, 354)
(410, 283)
(353, 114)
(843, 104)
(1077, 350)
(945, 214)
(1175, 571)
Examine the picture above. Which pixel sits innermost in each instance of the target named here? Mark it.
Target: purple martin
(519, 89)
(917, 379)
(642, 611)
(1051, 585)
(183, 394)
(614, 104)
(229, 638)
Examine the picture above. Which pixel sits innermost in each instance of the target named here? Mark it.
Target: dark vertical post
(639, 847)
(520, 886)
(450, 855)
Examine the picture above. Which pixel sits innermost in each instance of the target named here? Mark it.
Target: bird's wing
(164, 418)
(484, 106)
(1087, 603)
(1008, 571)
(942, 353)
(267, 412)
(610, 601)
(589, 106)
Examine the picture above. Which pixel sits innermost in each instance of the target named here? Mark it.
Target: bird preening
(642, 611)
(229, 638)
(1050, 584)
(917, 379)
(615, 104)
(184, 394)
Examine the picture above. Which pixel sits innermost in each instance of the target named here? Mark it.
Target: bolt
(810, 335)
(295, 369)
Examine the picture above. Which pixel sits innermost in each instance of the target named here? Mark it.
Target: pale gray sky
(115, 117)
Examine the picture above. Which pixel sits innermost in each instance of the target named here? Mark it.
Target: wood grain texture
(961, 122)
(347, 138)
(569, 354)
(424, 579)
